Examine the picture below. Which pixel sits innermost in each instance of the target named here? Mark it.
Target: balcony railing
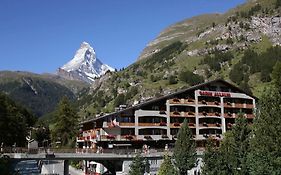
(108, 137)
(182, 114)
(128, 137)
(211, 114)
(111, 124)
(238, 105)
(175, 114)
(251, 106)
(153, 124)
(182, 101)
(212, 136)
(175, 101)
(251, 116)
(189, 101)
(89, 134)
(178, 125)
(209, 124)
(229, 115)
(126, 124)
(233, 115)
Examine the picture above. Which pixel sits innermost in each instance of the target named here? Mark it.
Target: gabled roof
(172, 95)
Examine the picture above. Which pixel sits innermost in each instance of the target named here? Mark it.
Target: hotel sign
(214, 94)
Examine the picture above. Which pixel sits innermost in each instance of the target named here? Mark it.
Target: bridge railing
(19, 150)
(119, 151)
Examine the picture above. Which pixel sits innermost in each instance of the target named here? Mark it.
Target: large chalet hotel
(210, 109)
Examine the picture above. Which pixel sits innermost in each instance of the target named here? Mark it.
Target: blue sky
(41, 35)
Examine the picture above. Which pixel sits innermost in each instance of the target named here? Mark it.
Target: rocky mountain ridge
(84, 66)
(235, 24)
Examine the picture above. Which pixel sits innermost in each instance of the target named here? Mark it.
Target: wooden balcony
(182, 101)
(233, 115)
(175, 114)
(250, 106)
(110, 124)
(128, 137)
(250, 116)
(126, 124)
(189, 101)
(182, 114)
(229, 125)
(89, 134)
(175, 101)
(203, 102)
(210, 114)
(189, 114)
(108, 137)
(229, 115)
(210, 125)
(213, 103)
(153, 124)
(178, 125)
(238, 105)
(228, 104)
(212, 136)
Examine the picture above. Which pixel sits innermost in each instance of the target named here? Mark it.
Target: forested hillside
(14, 122)
(240, 46)
(38, 93)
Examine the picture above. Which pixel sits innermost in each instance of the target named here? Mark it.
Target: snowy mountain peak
(85, 44)
(84, 65)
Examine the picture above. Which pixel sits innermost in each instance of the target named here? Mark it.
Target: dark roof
(171, 95)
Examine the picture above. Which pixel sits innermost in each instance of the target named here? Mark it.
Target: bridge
(112, 159)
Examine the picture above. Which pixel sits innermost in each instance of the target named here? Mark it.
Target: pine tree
(184, 152)
(66, 122)
(211, 158)
(137, 167)
(231, 157)
(147, 166)
(14, 122)
(5, 166)
(167, 167)
(265, 149)
(241, 134)
(276, 72)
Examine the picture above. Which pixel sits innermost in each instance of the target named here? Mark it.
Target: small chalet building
(210, 108)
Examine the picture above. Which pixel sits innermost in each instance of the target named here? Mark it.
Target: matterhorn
(84, 66)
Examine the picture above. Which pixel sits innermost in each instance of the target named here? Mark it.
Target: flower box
(162, 112)
(163, 124)
(110, 137)
(129, 137)
(190, 124)
(176, 100)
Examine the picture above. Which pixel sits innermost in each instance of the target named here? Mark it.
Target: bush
(172, 79)
(218, 57)
(190, 78)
